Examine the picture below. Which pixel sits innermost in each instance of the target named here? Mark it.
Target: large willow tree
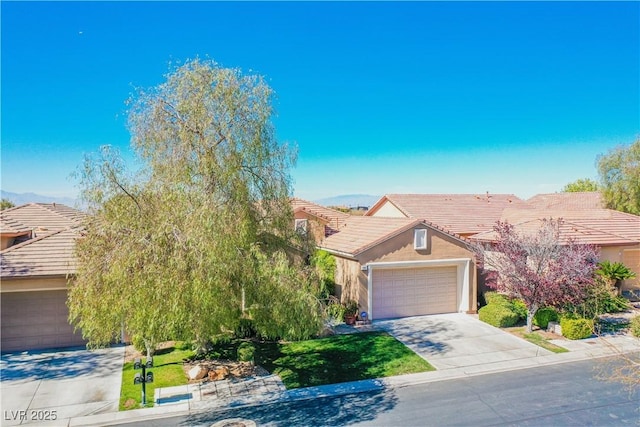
(202, 235)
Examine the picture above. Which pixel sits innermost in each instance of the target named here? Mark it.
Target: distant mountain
(349, 200)
(24, 198)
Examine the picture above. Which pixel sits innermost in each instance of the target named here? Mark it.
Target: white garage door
(36, 320)
(404, 292)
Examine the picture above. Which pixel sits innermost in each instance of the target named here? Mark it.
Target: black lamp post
(144, 378)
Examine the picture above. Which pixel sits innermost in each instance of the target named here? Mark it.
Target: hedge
(544, 316)
(497, 315)
(576, 329)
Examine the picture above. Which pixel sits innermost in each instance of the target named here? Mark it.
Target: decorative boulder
(219, 373)
(198, 372)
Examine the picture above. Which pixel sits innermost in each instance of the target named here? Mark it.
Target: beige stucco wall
(387, 209)
(352, 282)
(629, 256)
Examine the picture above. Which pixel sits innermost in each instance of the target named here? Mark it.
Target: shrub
(246, 351)
(576, 329)
(335, 311)
(544, 316)
(635, 326)
(498, 315)
(520, 308)
(496, 298)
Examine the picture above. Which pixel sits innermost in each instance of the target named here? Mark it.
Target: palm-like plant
(614, 273)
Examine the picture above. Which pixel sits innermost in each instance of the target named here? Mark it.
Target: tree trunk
(530, 313)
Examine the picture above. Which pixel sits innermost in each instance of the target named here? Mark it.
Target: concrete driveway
(50, 387)
(457, 340)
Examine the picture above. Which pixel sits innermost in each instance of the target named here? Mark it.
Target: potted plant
(350, 312)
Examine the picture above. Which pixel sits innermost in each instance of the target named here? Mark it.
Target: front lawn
(167, 372)
(339, 358)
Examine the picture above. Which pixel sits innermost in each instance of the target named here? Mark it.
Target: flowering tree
(538, 268)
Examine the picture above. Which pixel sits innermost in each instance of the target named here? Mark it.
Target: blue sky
(427, 97)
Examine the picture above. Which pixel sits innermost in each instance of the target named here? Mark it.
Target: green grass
(543, 342)
(339, 358)
(536, 339)
(167, 372)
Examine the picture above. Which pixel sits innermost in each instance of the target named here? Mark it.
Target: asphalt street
(568, 394)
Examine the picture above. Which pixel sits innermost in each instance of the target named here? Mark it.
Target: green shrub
(544, 316)
(635, 326)
(519, 308)
(184, 345)
(576, 329)
(335, 312)
(498, 315)
(246, 351)
(496, 298)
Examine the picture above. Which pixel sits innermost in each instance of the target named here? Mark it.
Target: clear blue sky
(432, 97)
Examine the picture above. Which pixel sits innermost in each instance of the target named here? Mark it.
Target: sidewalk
(183, 400)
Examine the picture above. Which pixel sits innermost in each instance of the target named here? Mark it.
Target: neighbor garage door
(404, 292)
(36, 320)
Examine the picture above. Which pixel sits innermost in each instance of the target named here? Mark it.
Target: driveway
(458, 340)
(49, 387)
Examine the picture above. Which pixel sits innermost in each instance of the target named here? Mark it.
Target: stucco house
(408, 255)
(398, 267)
(36, 263)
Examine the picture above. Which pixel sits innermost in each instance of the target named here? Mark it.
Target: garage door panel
(404, 292)
(36, 320)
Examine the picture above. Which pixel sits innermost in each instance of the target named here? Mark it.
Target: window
(420, 238)
(301, 226)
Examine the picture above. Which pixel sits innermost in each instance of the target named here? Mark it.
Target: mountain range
(24, 198)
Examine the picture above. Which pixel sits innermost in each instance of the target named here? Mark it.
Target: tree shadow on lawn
(327, 411)
(338, 359)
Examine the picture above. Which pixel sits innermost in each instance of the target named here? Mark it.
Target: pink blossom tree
(539, 268)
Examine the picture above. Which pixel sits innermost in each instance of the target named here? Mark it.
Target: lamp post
(144, 378)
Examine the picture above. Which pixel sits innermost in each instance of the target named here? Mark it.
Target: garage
(403, 292)
(36, 320)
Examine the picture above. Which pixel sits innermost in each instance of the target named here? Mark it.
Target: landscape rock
(218, 373)
(198, 372)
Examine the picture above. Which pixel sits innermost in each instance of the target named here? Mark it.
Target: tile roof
(360, 233)
(606, 221)
(49, 254)
(334, 217)
(458, 213)
(571, 201)
(48, 251)
(568, 230)
(44, 216)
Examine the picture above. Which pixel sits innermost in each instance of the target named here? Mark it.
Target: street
(564, 394)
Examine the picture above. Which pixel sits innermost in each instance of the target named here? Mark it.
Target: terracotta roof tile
(330, 215)
(43, 216)
(361, 233)
(567, 201)
(568, 230)
(457, 213)
(46, 255)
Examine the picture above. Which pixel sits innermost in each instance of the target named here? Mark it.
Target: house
(36, 263)
(398, 267)
(616, 233)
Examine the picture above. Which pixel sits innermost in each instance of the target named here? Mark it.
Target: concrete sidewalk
(263, 390)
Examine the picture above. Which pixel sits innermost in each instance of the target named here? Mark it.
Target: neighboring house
(36, 263)
(616, 233)
(315, 219)
(398, 267)
(462, 214)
